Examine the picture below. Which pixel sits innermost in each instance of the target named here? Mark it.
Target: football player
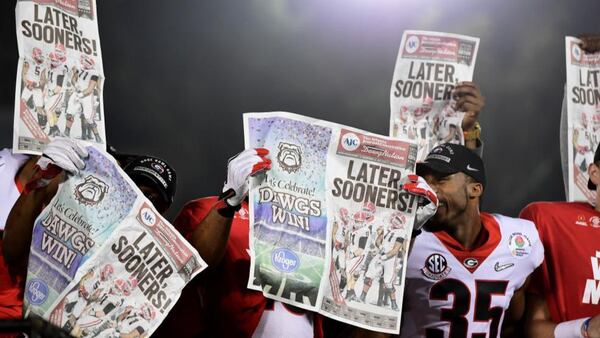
(385, 265)
(360, 238)
(53, 90)
(89, 289)
(564, 300)
(86, 83)
(34, 77)
(340, 241)
(467, 266)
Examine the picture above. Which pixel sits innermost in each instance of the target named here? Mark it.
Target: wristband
(571, 329)
(473, 134)
(225, 209)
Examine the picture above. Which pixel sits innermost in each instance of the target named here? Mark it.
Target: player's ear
(594, 173)
(474, 189)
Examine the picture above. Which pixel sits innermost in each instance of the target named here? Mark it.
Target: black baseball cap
(591, 185)
(156, 172)
(450, 158)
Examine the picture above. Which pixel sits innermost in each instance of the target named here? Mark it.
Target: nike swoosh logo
(471, 168)
(499, 267)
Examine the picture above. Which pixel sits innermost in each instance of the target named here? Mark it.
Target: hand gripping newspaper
(59, 75)
(582, 98)
(103, 261)
(428, 67)
(330, 223)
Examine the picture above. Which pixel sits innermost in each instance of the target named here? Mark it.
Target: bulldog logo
(289, 157)
(91, 191)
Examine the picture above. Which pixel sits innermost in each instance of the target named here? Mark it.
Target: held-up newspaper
(428, 67)
(103, 261)
(59, 75)
(583, 117)
(330, 224)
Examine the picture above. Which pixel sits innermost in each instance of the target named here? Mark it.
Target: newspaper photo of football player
(103, 310)
(56, 78)
(386, 263)
(83, 102)
(88, 290)
(33, 78)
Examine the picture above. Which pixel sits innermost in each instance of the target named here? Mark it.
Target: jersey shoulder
(192, 214)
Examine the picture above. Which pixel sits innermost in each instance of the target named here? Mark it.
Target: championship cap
(591, 185)
(156, 172)
(451, 158)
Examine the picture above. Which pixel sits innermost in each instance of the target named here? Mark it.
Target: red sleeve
(192, 214)
(539, 278)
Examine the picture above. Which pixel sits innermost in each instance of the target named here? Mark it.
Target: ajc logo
(350, 142)
(285, 260)
(412, 44)
(37, 291)
(148, 216)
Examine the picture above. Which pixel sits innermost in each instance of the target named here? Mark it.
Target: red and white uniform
(11, 285)
(84, 293)
(452, 292)
(79, 103)
(218, 303)
(33, 83)
(584, 154)
(339, 249)
(387, 267)
(569, 278)
(359, 240)
(56, 77)
(106, 308)
(133, 322)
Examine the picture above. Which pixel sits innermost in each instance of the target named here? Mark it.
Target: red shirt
(218, 302)
(570, 233)
(11, 290)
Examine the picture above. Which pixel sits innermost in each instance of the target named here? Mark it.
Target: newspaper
(583, 117)
(428, 67)
(60, 74)
(330, 218)
(102, 258)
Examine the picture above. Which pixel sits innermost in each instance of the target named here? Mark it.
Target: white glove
(428, 201)
(60, 154)
(65, 153)
(239, 169)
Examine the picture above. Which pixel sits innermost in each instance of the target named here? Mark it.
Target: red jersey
(11, 282)
(569, 278)
(218, 302)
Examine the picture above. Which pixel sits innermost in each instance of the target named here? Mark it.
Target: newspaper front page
(583, 117)
(103, 261)
(59, 75)
(330, 224)
(428, 67)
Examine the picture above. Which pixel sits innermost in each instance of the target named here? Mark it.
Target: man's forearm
(210, 237)
(19, 224)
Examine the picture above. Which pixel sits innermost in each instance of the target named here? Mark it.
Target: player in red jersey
(564, 296)
(565, 291)
(219, 229)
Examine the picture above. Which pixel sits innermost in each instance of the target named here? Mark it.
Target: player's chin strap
(577, 328)
(225, 209)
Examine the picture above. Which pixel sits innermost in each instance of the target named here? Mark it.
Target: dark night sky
(179, 75)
